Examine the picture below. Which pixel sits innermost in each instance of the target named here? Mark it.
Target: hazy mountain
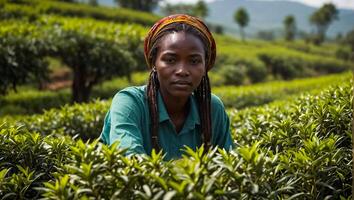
(268, 15)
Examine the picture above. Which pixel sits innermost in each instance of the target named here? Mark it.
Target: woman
(176, 108)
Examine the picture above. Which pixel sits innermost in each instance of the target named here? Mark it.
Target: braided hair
(202, 93)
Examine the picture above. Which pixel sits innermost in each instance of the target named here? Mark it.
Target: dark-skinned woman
(176, 107)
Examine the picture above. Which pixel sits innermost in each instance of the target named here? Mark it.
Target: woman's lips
(182, 85)
(180, 82)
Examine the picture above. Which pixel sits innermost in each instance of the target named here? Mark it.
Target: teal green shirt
(128, 120)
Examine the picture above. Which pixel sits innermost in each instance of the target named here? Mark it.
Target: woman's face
(180, 64)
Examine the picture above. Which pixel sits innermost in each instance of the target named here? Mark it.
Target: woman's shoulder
(133, 95)
(216, 102)
(132, 91)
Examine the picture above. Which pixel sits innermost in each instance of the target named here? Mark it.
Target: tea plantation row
(33, 9)
(256, 61)
(298, 149)
(29, 101)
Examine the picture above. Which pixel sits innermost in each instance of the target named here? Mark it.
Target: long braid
(152, 88)
(202, 93)
(203, 96)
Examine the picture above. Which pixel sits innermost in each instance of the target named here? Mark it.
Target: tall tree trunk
(80, 89)
(242, 33)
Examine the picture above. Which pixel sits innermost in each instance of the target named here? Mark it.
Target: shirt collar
(193, 115)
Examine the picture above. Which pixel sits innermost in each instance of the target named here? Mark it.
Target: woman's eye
(170, 60)
(195, 61)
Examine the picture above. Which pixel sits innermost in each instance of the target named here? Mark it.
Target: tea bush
(233, 74)
(325, 50)
(298, 149)
(28, 159)
(344, 53)
(31, 101)
(85, 121)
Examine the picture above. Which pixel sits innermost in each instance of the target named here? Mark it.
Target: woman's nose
(182, 69)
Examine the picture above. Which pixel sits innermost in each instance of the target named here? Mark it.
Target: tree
(142, 5)
(92, 60)
(93, 2)
(233, 74)
(241, 18)
(322, 18)
(290, 27)
(95, 52)
(200, 9)
(22, 60)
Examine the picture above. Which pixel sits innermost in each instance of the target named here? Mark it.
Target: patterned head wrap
(181, 18)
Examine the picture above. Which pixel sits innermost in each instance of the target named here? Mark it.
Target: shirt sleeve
(122, 123)
(221, 135)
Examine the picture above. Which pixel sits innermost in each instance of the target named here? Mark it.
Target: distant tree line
(320, 19)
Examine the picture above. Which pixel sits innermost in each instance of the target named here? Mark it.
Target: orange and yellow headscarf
(181, 18)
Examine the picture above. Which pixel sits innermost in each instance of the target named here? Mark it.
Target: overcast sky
(348, 4)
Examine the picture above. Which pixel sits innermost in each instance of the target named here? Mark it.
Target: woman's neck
(175, 107)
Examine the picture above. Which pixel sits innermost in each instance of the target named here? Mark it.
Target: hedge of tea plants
(29, 101)
(289, 65)
(33, 9)
(259, 94)
(257, 61)
(298, 149)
